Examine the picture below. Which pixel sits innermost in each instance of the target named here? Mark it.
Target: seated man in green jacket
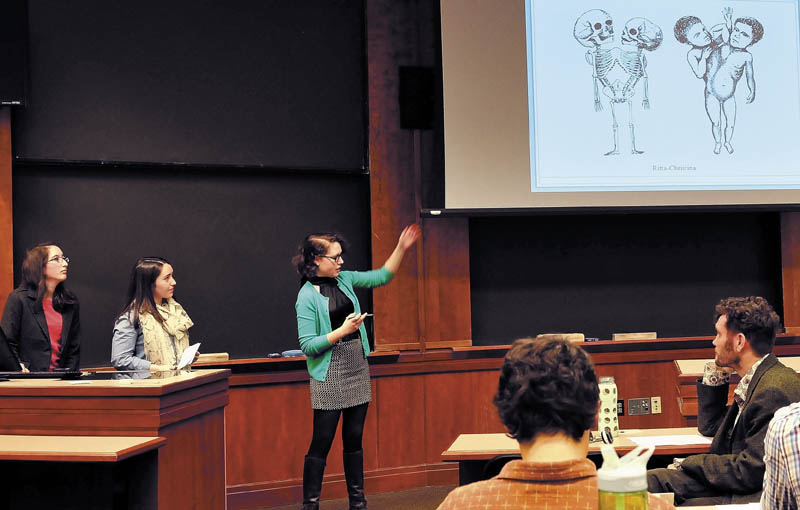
(733, 470)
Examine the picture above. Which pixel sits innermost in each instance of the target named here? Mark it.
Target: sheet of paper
(668, 440)
(188, 355)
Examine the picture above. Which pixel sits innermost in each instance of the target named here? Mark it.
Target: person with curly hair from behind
(547, 398)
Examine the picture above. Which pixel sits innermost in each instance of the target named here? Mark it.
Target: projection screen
(619, 103)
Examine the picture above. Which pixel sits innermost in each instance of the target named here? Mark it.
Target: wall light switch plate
(638, 406)
(655, 405)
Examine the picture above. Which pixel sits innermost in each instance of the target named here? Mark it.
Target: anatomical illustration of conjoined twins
(618, 71)
(719, 56)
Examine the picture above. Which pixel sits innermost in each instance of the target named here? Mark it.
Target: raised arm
(727, 13)
(382, 276)
(408, 237)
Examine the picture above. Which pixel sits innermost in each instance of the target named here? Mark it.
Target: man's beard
(727, 358)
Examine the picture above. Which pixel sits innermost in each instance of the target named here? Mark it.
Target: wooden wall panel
(655, 379)
(446, 281)
(458, 403)
(6, 210)
(394, 188)
(261, 420)
(400, 409)
(202, 433)
(790, 265)
(267, 443)
(429, 299)
(428, 304)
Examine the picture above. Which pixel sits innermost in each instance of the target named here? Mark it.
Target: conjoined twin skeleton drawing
(617, 70)
(719, 57)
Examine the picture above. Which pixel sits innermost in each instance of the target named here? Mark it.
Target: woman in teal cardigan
(330, 327)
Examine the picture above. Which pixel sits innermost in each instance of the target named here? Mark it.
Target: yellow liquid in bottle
(623, 500)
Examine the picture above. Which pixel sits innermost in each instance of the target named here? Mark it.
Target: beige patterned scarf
(159, 346)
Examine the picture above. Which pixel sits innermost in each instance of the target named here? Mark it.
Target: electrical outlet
(638, 406)
(655, 405)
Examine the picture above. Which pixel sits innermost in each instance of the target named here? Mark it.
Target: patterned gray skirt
(347, 382)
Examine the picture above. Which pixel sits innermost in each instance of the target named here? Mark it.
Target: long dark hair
(313, 246)
(33, 277)
(140, 289)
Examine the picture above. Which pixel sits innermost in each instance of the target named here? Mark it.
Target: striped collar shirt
(782, 459)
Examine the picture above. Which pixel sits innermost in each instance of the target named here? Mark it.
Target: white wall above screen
(524, 126)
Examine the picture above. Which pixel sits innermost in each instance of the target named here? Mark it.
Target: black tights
(325, 423)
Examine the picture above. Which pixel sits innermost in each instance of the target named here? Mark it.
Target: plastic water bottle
(622, 483)
(607, 416)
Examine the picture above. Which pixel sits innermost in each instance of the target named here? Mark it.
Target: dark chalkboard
(229, 234)
(604, 274)
(276, 84)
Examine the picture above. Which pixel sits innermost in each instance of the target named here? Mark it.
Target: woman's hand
(350, 325)
(409, 236)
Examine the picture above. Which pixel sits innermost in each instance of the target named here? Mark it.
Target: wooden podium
(79, 472)
(187, 410)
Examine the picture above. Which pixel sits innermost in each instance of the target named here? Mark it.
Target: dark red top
(54, 322)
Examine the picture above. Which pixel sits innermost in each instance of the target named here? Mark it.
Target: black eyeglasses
(335, 258)
(58, 258)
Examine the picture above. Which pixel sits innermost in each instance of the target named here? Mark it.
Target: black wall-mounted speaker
(416, 97)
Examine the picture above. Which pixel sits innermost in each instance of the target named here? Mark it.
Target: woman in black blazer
(41, 320)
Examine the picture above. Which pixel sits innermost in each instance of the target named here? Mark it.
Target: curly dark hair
(547, 386)
(758, 28)
(313, 246)
(682, 25)
(753, 317)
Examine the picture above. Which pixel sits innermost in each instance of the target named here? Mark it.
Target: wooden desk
(79, 472)
(687, 371)
(472, 451)
(187, 410)
(443, 392)
(715, 507)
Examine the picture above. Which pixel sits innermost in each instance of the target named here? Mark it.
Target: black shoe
(354, 476)
(313, 469)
